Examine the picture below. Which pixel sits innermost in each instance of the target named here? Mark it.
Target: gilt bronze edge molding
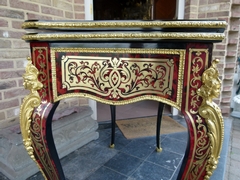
(124, 36)
(125, 24)
(120, 50)
(177, 105)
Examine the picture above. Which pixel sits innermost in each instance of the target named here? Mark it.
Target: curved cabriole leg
(35, 122)
(113, 119)
(43, 150)
(159, 119)
(205, 124)
(42, 141)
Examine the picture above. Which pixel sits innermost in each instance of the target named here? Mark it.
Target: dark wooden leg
(113, 119)
(51, 144)
(159, 119)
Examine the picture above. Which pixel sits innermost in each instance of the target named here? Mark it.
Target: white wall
(88, 9)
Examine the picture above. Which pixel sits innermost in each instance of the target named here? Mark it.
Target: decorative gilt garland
(30, 102)
(212, 114)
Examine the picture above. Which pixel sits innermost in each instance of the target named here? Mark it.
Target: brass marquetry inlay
(122, 78)
(41, 60)
(99, 74)
(126, 24)
(198, 60)
(125, 35)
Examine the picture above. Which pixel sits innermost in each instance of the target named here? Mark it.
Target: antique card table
(121, 62)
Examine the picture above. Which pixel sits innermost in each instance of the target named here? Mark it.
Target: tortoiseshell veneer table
(121, 62)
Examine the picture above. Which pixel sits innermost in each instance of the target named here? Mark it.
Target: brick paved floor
(229, 170)
(233, 163)
(113, 163)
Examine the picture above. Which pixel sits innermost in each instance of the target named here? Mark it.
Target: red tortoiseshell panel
(118, 76)
(41, 59)
(198, 58)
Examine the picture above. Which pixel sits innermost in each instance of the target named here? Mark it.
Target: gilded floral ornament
(211, 112)
(29, 103)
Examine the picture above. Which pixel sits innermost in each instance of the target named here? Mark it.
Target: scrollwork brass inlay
(197, 66)
(40, 60)
(198, 62)
(118, 77)
(110, 78)
(202, 149)
(30, 102)
(38, 139)
(212, 114)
